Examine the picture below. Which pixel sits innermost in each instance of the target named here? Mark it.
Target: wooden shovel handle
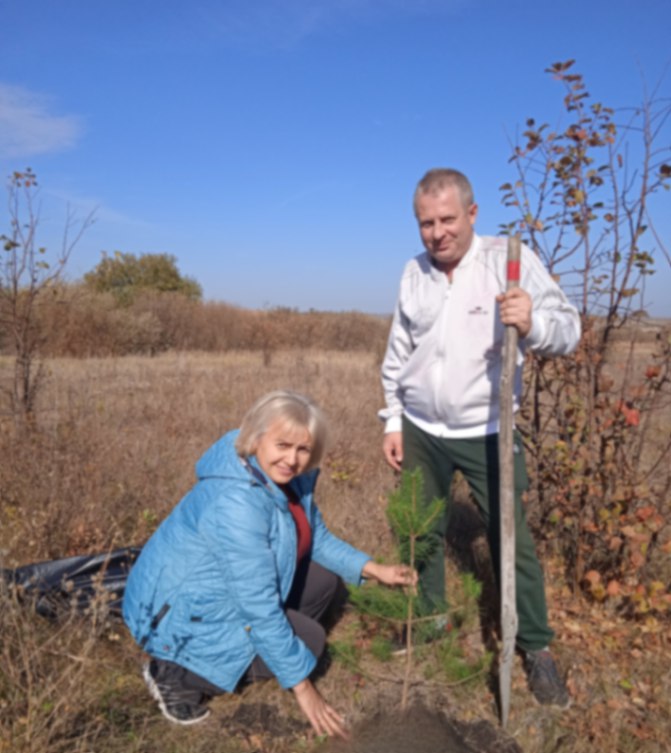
(513, 265)
(507, 490)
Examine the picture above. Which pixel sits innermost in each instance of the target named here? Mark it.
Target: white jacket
(442, 366)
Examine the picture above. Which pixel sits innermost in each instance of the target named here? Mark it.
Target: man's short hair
(440, 178)
(294, 410)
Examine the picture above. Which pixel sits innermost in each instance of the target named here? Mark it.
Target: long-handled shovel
(507, 492)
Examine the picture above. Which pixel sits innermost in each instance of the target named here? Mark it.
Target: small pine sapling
(410, 520)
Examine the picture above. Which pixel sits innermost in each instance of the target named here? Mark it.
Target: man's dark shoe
(545, 683)
(173, 708)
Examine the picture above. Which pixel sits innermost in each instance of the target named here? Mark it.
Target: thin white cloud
(88, 205)
(28, 127)
(284, 23)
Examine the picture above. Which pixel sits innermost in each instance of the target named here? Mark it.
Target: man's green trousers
(477, 459)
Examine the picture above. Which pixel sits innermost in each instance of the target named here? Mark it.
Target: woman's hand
(390, 575)
(324, 719)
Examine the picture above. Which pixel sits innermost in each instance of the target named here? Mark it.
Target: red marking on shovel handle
(513, 273)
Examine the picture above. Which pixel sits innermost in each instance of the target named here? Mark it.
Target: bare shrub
(600, 458)
(27, 274)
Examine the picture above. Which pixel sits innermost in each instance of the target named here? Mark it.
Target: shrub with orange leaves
(596, 422)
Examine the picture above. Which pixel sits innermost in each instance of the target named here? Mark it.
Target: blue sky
(273, 146)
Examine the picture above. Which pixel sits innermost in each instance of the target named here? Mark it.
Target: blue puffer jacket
(208, 589)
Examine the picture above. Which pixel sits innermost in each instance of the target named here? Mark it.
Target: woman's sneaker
(174, 708)
(545, 683)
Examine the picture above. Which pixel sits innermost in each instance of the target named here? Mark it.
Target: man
(441, 375)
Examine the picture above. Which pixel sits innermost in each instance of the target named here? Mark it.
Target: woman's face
(283, 452)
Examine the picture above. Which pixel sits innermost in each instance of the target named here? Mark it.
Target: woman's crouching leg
(313, 590)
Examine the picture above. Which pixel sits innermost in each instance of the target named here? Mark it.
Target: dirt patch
(420, 729)
(262, 719)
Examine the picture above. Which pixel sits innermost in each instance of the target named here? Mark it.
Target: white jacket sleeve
(399, 348)
(555, 323)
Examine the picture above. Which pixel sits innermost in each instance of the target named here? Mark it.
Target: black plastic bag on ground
(58, 587)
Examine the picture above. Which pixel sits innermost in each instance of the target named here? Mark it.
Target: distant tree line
(78, 321)
(142, 304)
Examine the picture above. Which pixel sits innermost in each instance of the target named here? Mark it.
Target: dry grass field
(113, 450)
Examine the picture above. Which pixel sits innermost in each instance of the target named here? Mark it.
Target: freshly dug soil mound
(419, 730)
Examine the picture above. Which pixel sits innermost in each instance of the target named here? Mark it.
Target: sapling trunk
(411, 519)
(409, 619)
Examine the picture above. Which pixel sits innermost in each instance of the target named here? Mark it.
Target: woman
(234, 581)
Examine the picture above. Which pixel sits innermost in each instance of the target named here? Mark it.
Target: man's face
(446, 226)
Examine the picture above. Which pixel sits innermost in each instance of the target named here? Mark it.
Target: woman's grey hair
(439, 179)
(290, 408)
